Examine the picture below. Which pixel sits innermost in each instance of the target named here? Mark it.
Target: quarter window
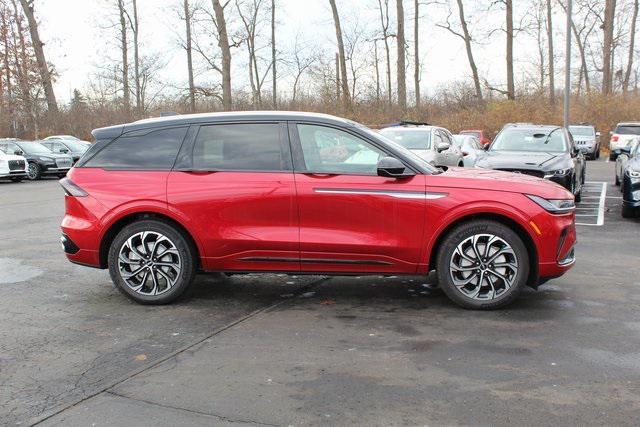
(153, 150)
(329, 150)
(249, 147)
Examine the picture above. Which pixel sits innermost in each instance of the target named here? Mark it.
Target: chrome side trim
(396, 194)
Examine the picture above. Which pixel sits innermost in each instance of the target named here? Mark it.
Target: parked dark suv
(158, 200)
(66, 146)
(42, 161)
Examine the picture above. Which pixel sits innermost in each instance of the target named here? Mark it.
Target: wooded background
(372, 74)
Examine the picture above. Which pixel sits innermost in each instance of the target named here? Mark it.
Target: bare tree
(466, 37)
(223, 42)
(38, 46)
(552, 72)
(346, 97)
(126, 96)
(273, 54)
(302, 60)
(416, 51)
(401, 71)
(607, 46)
(511, 89)
(383, 8)
(189, 49)
(632, 39)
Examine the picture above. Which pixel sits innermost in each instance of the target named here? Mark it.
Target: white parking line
(591, 209)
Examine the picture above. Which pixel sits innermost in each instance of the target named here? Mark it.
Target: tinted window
(582, 130)
(153, 150)
(628, 130)
(249, 147)
(328, 150)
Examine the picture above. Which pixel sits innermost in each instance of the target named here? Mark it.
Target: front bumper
(556, 244)
(13, 174)
(54, 170)
(564, 180)
(631, 191)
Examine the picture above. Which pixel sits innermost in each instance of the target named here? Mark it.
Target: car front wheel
(482, 265)
(152, 262)
(34, 172)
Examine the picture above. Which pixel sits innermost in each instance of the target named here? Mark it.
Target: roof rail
(406, 123)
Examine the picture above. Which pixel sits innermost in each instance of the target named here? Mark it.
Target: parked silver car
(471, 149)
(433, 143)
(622, 158)
(586, 139)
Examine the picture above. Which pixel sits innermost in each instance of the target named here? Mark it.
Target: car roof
(409, 128)
(529, 126)
(184, 119)
(629, 124)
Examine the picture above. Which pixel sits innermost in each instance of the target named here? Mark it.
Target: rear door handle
(194, 171)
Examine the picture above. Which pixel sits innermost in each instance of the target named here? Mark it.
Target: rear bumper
(80, 231)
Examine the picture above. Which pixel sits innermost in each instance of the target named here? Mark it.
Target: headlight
(554, 205)
(560, 172)
(633, 174)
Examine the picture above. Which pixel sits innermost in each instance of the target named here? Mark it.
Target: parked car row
(627, 176)
(543, 151)
(34, 159)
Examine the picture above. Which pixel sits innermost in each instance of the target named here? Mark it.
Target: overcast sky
(78, 39)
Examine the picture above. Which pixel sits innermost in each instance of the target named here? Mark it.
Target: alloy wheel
(149, 263)
(483, 267)
(32, 171)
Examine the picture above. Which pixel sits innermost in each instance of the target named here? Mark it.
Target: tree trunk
(126, 94)
(223, 43)
(401, 71)
(136, 57)
(192, 88)
(346, 97)
(384, 22)
(273, 53)
(416, 52)
(375, 58)
(552, 80)
(511, 90)
(467, 43)
(337, 79)
(43, 67)
(632, 37)
(607, 47)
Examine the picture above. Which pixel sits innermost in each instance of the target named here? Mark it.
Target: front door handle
(195, 171)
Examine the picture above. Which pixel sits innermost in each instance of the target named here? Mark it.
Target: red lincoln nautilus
(158, 200)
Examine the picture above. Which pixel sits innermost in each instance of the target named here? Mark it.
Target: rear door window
(156, 149)
(241, 147)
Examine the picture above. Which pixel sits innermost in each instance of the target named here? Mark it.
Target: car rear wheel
(33, 171)
(482, 265)
(617, 179)
(152, 262)
(628, 212)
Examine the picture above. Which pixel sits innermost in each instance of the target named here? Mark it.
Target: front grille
(16, 165)
(536, 173)
(63, 163)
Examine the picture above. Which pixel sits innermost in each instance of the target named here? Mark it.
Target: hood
(525, 160)
(8, 157)
(427, 155)
(483, 179)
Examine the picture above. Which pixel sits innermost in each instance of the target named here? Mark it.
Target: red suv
(158, 200)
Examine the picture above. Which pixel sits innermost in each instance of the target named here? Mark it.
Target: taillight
(614, 138)
(72, 189)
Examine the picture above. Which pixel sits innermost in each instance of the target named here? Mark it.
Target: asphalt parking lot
(282, 350)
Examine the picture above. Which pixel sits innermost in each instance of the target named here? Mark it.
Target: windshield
(530, 140)
(627, 130)
(405, 152)
(471, 132)
(34, 148)
(466, 142)
(76, 145)
(582, 130)
(410, 139)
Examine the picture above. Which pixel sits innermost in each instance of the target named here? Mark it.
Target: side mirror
(18, 152)
(442, 146)
(574, 151)
(390, 167)
(64, 150)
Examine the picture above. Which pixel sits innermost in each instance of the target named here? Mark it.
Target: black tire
(597, 156)
(17, 179)
(184, 248)
(578, 196)
(628, 212)
(62, 175)
(457, 237)
(34, 172)
(617, 179)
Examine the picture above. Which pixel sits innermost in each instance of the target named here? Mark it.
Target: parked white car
(623, 136)
(471, 149)
(433, 143)
(12, 167)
